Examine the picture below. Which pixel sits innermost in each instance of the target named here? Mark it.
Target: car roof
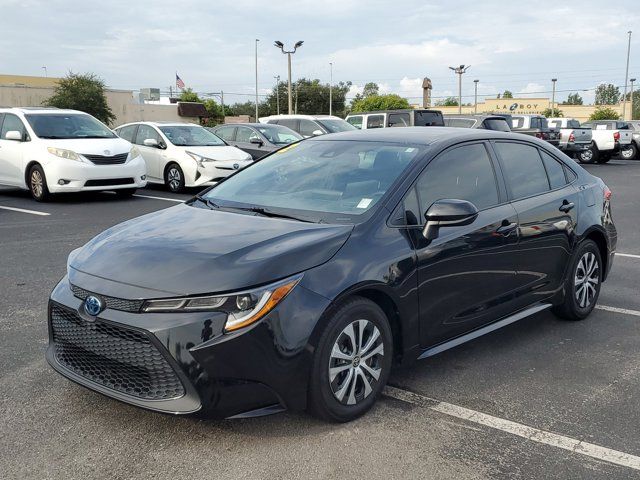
(158, 124)
(39, 110)
(250, 124)
(301, 116)
(474, 116)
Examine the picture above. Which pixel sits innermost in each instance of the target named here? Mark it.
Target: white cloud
(532, 87)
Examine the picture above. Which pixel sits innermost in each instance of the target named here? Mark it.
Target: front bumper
(261, 369)
(210, 173)
(79, 176)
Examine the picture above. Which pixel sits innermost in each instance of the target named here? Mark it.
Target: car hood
(225, 152)
(188, 250)
(91, 146)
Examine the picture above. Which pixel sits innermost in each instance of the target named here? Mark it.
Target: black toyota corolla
(298, 282)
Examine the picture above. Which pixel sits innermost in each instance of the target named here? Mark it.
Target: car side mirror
(317, 132)
(256, 141)
(151, 142)
(14, 135)
(448, 212)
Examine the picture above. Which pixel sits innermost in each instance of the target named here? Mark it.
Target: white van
(49, 150)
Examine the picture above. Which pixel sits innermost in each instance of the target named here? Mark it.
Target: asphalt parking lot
(542, 398)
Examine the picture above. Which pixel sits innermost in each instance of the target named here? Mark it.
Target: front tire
(590, 155)
(582, 285)
(38, 184)
(174, 178)
(352, 361)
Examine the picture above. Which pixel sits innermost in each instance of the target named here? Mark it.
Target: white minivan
(182, 155)
(50, 150)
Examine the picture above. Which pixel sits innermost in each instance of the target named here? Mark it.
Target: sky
(509, 45)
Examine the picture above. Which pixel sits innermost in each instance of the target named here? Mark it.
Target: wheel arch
(27, 169)
(600, 239)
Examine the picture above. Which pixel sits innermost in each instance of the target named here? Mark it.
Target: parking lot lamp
(626, 76)
(459, 71)
(277, 77)
(257, 40)
(297, 45)
(631, 80)
(553, 97)
(475, 97)
(330, 84)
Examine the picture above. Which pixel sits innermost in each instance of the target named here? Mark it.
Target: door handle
(506, 228)
(566, 206)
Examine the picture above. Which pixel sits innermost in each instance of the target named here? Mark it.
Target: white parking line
(618, 310)
(627, 255)
(159, 198)
(514, 428)
(22, 210)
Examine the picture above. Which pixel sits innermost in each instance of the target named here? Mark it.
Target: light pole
(257, 40)
(277, 77)
(475, 97)
(459, 71)
(330, 84)
(553, 97)
(631, 80)
(297, 45)
(626, 76)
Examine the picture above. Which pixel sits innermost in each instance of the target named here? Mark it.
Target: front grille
(108, 182)
(103, 160)
(110, 302)
(113, 356)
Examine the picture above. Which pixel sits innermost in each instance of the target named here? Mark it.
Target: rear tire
(174, 178)
(352, 361)
(629, 153)
(590, 155)
(582, 285)
(38, 184)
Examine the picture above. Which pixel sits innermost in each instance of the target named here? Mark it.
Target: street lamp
(459, 71)
(631, 80)
(297, 45)
(277, 77)
(330, 84)
(553, 97)
(475, 97)
(626, 76)
(257, 40)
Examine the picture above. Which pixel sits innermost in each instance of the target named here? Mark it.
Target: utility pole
(626, 76)
(257, 40)
(475, 97)
(459, 71)
(277, 77)
(296, 110)
(330, 85)
(297, 45)
(553, 97)
(631, 80)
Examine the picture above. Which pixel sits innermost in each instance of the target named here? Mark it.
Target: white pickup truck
(609, 137)
(573, 138)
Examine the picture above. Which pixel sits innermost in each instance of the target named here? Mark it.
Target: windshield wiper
(207, 202)
(270, 213)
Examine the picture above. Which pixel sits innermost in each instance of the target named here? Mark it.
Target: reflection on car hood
(223, 152)
(187, 250)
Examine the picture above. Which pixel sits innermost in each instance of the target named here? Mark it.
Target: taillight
(539, 135)
(616, 136)
(607, 193)
(572, 137)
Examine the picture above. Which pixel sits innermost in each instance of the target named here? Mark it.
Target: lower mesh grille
(115, 357)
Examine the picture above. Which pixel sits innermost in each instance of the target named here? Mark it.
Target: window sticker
(364, 203)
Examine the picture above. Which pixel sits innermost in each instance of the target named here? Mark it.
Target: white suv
(183, 154)
(47, 150)
(310, 125)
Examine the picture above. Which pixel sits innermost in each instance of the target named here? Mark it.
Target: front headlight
(199, 158)
(242, 309)
(62, 153)
(134, 152)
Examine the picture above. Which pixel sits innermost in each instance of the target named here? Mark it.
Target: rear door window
(523, 169)
(399, 120)
(375, 121)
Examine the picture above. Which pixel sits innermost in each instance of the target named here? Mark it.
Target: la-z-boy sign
(520, 107)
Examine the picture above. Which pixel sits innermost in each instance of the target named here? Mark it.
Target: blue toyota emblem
(92, 305)
(236, 166)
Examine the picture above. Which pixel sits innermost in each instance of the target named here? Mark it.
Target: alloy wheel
(627, 153)
(36, 183)
(355, 363)
(174, 178)
(586, 279)
(586, 155)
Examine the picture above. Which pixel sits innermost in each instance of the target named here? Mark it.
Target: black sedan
(297, 282)
(257, 139)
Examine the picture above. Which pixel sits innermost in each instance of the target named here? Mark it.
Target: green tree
(369, 90)
(507, 94)
(447, 102)
(380, 102)
(549, 114)
(573, 99)
(308, 96)
(635, 114)
(188, 95)
(607, 94)
(84, 92)
(604, 113)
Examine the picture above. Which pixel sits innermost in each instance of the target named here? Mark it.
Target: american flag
(179, 82)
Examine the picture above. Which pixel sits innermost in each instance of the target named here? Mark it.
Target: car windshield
(67, 125)
(498, 124)
(190, 136)
(335, 125)
(279, 135)
(325, 177)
